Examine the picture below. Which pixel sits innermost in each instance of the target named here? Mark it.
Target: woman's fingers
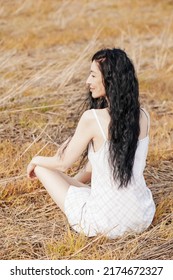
(30, 171)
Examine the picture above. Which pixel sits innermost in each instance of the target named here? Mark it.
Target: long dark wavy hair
(122, 100)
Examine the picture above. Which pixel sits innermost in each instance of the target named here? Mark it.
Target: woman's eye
(93, 76)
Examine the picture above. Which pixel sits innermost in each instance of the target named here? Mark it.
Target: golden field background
(45, 53)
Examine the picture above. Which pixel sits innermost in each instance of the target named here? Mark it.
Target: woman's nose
(87, 81)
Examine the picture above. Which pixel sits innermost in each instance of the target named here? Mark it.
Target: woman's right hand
(30, 171)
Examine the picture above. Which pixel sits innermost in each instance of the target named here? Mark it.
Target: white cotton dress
(104, 208)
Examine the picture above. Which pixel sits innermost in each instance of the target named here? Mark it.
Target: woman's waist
(105, 181)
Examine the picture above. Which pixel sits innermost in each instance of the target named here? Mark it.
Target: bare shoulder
(144, 115)
(88, 114)
(87, 122)
(87, 118)
(144, 123)
(103, 113)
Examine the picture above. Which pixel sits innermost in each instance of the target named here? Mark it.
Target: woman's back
(104, 119)
(98, 153)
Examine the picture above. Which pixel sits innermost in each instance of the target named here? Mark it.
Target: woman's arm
(84, 175)
(78, 143)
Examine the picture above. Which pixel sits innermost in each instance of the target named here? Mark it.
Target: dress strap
(148, 118)
(101, 129)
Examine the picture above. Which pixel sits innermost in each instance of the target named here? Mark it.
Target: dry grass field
(45, 52)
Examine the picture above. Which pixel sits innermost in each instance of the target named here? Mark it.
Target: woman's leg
(73, 181)
(56, 183)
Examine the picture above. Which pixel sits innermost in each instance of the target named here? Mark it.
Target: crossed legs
(56, 183)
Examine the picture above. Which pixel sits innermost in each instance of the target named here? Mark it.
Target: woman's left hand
(30, 171)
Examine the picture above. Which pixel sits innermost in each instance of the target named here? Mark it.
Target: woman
(116, 132)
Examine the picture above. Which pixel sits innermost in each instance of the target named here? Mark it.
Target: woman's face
(95, 81)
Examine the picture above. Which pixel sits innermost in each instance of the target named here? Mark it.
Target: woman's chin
(94, 95)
